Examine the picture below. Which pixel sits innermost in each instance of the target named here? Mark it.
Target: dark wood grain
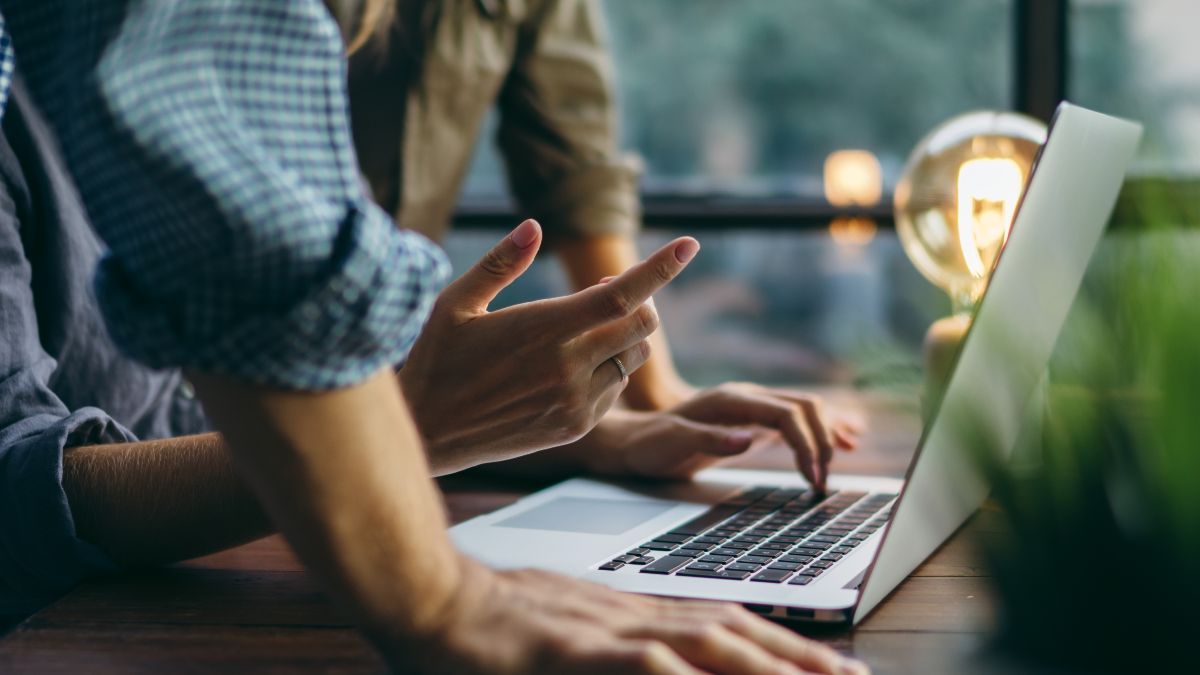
(255, 609)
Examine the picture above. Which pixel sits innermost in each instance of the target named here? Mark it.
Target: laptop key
(639, 551)
(612, 565)
(704, 566)
(818, 545)
(689, 552)
(626, 559)
(772, 576)
(677, 538)
(802, 559)
(801, 580)
(708, 540)
(666, 564)
(743, 567)
(730, 575)
(756, 559)
(659, 546)
(732, 552)
(719, 559)
(707, 519)
(790, 567)
(733, 575)
(644, 560)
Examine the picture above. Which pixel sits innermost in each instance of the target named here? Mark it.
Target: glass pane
(779, 307)
(749, 98)
(1141, 59)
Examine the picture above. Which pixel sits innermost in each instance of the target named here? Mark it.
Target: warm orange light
(988, 192)
(852, 231)
(853, 178)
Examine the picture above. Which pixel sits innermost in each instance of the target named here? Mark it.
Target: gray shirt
(62, 382)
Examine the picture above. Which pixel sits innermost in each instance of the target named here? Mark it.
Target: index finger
(602, 303)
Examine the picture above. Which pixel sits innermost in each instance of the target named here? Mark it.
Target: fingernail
(686, 250)
(525, 233)
(852, 667)
(739, 439)
(605, 280)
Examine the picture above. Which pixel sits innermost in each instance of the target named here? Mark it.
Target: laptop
(762, 538)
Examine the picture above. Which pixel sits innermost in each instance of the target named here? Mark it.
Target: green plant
(1098, 563)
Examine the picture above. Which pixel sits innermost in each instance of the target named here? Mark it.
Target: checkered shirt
(209, 140)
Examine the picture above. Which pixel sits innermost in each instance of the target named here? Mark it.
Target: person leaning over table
(419, 95)
(208, 142)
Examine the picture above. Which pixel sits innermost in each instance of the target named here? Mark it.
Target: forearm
(343, 475)
(588, 260)
(156, 502)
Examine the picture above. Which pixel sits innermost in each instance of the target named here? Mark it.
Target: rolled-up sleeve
(210, 143)
(558, 124)
(40, 554)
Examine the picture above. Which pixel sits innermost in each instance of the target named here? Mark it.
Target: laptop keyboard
(764, 534)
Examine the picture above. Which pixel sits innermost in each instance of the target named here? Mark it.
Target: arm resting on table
(154, 502)
(343, 475)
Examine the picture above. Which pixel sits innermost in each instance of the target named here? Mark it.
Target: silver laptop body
(584, 527)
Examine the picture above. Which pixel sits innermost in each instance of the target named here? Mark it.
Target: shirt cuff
(363, 315)
(41, 557)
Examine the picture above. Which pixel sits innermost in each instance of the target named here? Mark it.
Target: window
(738, 104)
(749, 98)
(1140, 58)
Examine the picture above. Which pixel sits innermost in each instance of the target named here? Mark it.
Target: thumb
(714, 440)
(499, 267)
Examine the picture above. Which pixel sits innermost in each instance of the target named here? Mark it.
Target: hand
(655, 445)
(536, 622)
(799, 419)
(486, 386)
(678, 444)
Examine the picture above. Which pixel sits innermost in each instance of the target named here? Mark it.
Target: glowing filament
(988, 192)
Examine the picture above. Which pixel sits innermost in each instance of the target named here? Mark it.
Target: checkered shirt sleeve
(209, 140)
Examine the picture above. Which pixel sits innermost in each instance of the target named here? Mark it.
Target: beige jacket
(544, 64)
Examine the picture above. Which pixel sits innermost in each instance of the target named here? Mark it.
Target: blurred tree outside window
(1141, 59)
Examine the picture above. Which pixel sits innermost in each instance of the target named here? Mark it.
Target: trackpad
(587, 516)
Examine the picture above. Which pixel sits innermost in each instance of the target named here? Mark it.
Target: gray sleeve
(40, 554)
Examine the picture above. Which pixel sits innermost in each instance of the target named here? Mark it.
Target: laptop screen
(1067, 204)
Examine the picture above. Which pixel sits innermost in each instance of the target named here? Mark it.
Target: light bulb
(853, 178)
(957, 197)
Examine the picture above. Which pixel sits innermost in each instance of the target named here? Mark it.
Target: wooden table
(254, 608)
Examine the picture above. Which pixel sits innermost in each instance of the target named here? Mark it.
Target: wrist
(652, 394)
(420, 625)
(594, 453)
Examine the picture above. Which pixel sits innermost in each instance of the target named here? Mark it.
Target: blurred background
(735, 108)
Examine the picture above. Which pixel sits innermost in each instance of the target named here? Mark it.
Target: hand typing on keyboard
(715, 424)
